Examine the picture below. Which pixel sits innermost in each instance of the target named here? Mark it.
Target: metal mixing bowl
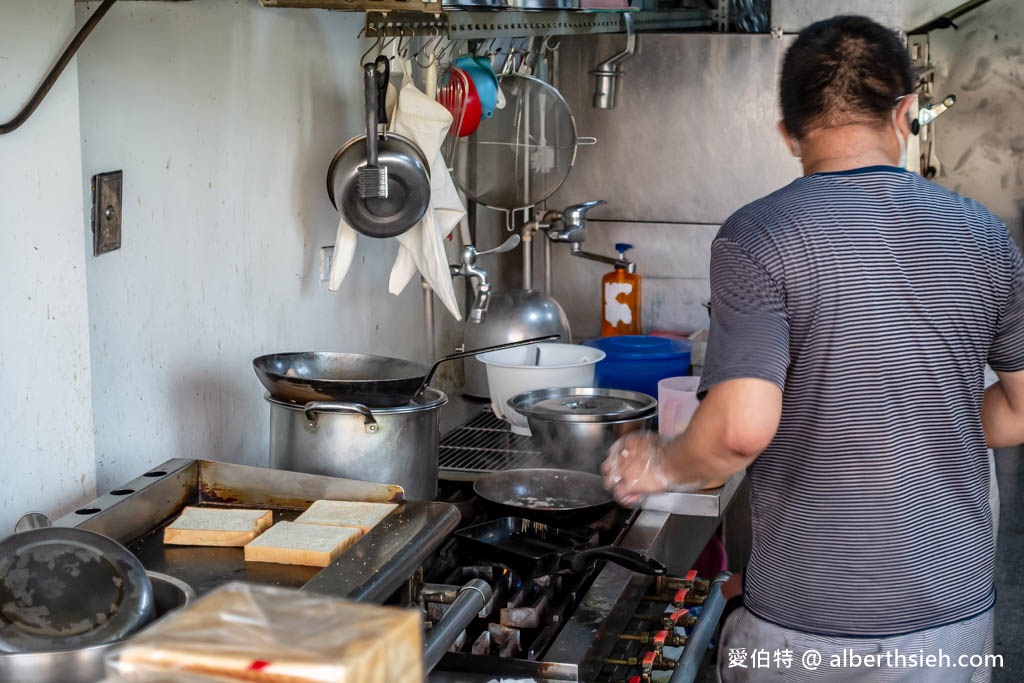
(574, 427)
(85, 665)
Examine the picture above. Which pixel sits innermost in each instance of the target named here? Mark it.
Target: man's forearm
(705, 455)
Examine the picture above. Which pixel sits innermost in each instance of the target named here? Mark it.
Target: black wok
(561, 497)
(373, 381)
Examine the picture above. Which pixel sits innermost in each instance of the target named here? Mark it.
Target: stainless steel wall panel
(980, 141)
(694, 134)
(793, 15)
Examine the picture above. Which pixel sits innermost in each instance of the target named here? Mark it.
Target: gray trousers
(748, 642)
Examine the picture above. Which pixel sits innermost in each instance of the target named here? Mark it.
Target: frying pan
(65, 588)
(560, 497)
(535, 549)
(408, 178)
(374, 381)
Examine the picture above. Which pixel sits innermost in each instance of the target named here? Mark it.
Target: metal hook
(376, 44)
(452, 48)
(403, 51)
(426, 48)
(548, 46)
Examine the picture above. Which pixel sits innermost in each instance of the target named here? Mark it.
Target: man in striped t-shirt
(853, 314)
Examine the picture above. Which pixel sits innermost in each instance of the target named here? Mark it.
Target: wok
(373, 381)
(537, 549)
(561, 497)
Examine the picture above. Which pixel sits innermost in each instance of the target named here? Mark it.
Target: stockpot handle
(311, 409)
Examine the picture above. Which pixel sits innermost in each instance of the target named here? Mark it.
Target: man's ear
(794, 146)
(903, 114)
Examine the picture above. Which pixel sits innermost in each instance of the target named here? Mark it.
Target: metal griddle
(371, 570)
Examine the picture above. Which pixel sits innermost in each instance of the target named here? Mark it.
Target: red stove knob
(635, 679)
(691, 575)
(659, 640)
(647, 663)
(680, 597)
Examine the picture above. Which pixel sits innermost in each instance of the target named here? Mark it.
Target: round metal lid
(584, 404)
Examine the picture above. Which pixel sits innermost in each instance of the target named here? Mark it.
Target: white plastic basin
(512, 371)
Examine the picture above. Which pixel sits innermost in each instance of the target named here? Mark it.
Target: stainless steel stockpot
(396, 445)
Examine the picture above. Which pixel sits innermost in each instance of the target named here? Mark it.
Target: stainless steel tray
(371, 570)
(708, 503)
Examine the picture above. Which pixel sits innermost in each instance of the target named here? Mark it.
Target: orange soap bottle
(620, 299)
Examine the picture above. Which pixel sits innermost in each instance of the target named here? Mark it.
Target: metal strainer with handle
(523, 154)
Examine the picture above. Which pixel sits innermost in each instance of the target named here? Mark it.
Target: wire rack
(485, 444)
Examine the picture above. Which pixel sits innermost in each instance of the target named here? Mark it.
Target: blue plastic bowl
(638, 362)
(486, 83)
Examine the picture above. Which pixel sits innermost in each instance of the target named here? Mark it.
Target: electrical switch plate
(106, 212)
(326, 257)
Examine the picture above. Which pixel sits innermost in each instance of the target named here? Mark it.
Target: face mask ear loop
(904, 157)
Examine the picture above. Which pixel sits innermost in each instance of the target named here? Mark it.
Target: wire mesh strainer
(523, 154)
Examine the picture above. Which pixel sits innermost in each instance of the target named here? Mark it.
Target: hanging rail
(470, 25)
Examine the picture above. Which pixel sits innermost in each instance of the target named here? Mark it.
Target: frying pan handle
(476, 352)
(370, 89)
(630, 559)
(311, 409)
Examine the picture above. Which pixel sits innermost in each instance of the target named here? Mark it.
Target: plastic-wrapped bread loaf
(244, 632)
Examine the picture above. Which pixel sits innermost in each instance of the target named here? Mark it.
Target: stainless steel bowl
(85, 665)
(574, 427)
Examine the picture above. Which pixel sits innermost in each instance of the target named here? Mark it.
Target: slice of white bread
(312, 545)
(217, 526)
(262, 634)
(362, 516)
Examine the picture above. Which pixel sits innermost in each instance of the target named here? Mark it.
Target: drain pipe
(608, 72)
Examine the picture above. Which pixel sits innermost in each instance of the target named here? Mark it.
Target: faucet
(482, 285)
(608, 72)
(570, 226)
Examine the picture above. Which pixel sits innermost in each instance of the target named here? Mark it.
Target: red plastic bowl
(472, 110)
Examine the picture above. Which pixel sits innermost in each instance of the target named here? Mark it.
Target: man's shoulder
(762, 217)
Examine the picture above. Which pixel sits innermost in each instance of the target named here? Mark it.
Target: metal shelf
(471, 25)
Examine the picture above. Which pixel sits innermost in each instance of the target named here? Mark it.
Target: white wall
(45, 412)
(223, 116)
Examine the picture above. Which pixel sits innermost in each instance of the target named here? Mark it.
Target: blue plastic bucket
(638, 362)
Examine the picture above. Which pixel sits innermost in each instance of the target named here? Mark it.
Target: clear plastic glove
(635, 467)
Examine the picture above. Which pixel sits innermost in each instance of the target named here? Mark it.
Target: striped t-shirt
(874, 299)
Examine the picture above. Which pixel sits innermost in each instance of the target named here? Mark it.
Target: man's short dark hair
(843, 70)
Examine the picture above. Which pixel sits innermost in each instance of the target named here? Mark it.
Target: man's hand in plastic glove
(635, 467)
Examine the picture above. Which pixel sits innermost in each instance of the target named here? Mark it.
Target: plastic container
(513, 371)
(620, 299)
(677, 402)
(638, 362)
